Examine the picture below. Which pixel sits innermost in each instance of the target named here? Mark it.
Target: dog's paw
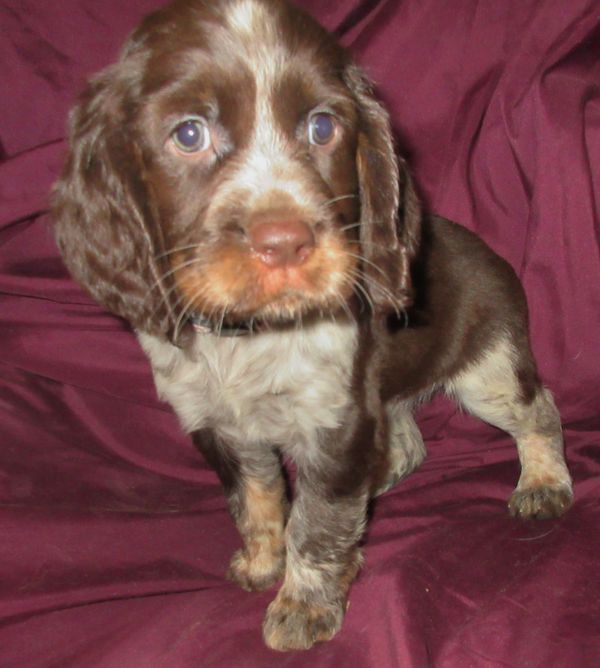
(292, 625)
(258, 572)
(541, 502)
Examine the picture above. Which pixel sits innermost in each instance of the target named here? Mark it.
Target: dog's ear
(105, 222)
(390, 210)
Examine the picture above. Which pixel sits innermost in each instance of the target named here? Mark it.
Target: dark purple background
(114, 536)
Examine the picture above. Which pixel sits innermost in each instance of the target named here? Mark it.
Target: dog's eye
(321, 128)
(191, 136)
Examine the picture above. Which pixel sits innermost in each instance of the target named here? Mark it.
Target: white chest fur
(279, 388)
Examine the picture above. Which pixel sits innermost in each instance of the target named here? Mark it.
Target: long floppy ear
(105, 224)
(390, 210)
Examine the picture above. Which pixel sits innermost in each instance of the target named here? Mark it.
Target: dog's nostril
(284, 243)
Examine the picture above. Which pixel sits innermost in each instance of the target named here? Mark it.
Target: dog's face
(232, 164)
(250, 145)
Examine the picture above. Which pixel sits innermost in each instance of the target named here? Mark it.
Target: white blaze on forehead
(267, 165)
(247, 16)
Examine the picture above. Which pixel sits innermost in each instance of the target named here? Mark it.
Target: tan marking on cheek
(220, 282)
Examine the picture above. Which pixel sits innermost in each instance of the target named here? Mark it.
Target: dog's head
(234, 164)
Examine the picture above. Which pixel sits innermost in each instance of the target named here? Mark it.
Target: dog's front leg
(322, 536)
(253, 483)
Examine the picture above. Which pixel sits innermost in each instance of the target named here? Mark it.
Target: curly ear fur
(386, 192)
(103, 208)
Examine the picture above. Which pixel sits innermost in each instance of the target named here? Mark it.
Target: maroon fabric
(114, 534)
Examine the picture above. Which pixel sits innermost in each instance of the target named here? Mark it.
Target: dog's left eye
(321, 128)
(191, 136)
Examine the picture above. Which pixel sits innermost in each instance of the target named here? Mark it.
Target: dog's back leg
(502, 389)
(406, 450)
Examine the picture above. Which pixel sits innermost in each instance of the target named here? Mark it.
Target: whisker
(178, 249)
(221, 324)
(363, 259)
(363, 294)
(370, 244)
(166, 294)
(339, 198)
(187, 308)
(332, 317)
(374, 284)
(351, 226)
(344, 305)
(172, 271)
(351, 278)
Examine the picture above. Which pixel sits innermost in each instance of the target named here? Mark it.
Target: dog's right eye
(191, 136)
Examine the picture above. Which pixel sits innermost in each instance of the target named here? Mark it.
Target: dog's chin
(289, 309)
(295, 309)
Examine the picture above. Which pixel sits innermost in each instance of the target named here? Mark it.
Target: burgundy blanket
(114, 535)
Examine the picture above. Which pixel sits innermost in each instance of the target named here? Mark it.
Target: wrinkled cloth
(115, 535)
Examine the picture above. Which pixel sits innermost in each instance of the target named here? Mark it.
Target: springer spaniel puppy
(232, 191)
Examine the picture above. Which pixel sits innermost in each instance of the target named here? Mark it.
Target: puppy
(232, 191)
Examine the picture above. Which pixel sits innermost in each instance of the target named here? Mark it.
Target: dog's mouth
(232, 285)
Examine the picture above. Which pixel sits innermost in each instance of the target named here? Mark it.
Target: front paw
(292, 624)
(541, 501)
(258, 572)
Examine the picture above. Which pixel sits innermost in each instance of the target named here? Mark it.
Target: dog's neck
(204, 325)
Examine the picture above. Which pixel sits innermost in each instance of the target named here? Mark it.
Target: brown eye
(192, 136)
(321, 128)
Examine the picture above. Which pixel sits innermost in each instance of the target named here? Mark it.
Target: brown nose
(282, 244)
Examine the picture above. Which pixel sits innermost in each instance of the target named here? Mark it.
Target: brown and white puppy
(232, 191)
